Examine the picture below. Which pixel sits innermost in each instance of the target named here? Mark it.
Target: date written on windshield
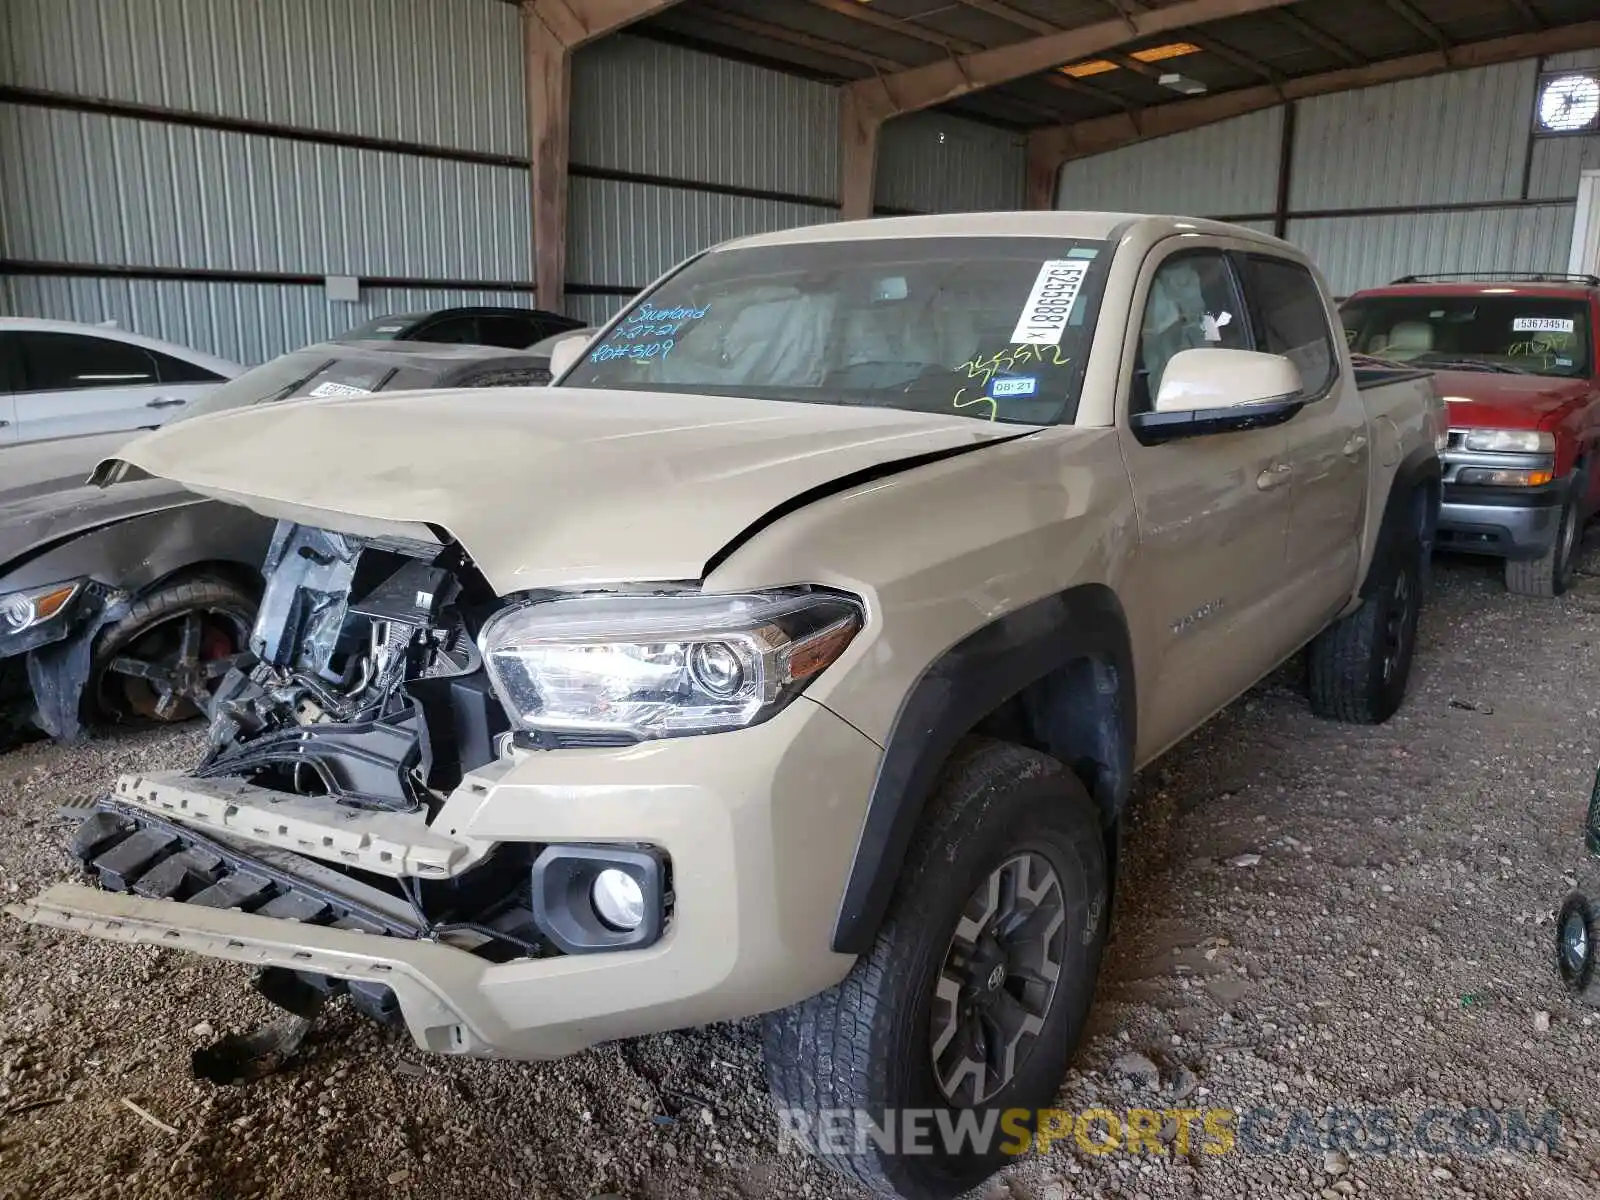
(647, 332)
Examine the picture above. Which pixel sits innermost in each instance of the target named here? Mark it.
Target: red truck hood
(1487, 401)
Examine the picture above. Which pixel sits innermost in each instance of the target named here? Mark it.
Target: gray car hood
(45, 495)
(548, 487)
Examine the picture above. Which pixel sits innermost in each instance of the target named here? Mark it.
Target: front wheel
(973, 996)
(1359, 665)
(1551, 572)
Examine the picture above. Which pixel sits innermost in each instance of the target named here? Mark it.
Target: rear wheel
(1359, 665)
(161, 662)
(1551, 572)
(974, 994)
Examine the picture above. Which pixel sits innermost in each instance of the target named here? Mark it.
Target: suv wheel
(1551, 572)
(975, 991)
(1359, 665)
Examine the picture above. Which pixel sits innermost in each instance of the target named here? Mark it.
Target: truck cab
(1514, 358)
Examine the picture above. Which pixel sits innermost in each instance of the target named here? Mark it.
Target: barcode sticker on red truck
(1543, 325)
(1049, 306)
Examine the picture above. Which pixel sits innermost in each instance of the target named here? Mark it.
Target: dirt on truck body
(791, 655)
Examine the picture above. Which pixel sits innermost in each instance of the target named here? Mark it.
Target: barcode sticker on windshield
(1543, 325)
(338, 389)
(1050, 304)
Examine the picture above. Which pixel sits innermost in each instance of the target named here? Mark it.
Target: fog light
(618, 899)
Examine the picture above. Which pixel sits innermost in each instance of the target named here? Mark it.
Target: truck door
(1329, 443)
(1213, 512)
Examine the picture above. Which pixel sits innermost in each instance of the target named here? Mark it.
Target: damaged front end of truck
(361, 705)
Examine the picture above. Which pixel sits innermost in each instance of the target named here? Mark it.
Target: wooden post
(548, 70)
(858, 156)
(1044, 172)
(551, 31)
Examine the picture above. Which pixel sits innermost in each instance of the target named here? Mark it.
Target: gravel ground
(1391, 949)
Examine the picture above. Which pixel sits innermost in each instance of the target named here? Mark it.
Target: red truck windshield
(1532, 335)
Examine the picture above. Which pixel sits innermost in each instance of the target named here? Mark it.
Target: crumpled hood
(544, 487)
(45, 494)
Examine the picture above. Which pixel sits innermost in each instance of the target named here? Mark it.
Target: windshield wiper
(1471, 364)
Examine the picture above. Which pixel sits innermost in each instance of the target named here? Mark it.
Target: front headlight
(662, 666)
(20, 611)
(1510, 441)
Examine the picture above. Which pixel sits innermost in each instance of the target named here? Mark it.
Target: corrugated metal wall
(1227, 169)
(434, 72)
(101, 189)
(1434, 174)
(254, 215)
(932, 162)
(213, 137)
(247, 322)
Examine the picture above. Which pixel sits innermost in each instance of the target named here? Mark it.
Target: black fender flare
(1418, 472)
(953, 694)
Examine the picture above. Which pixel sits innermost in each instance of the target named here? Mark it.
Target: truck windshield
(996, 329)
(1532, 335)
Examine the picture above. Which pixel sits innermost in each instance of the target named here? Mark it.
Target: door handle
(1274, 476)
(1356, 444)
(165, 402)
(3, 424)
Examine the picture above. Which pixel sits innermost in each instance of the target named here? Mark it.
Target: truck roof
(1545, 289)
(1092, 225)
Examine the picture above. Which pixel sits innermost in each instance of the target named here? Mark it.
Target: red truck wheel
(1551, 572)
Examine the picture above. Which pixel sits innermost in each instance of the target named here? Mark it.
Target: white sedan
(64, 379)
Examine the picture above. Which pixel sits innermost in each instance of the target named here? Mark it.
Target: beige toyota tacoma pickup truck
(792, 655)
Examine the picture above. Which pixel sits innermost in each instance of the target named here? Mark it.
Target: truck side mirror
(1214, 390)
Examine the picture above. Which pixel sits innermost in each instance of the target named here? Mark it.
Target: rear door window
(178, 370)
(1292, 320)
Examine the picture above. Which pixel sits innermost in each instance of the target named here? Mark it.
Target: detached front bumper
(760, 827)
(1507, 522)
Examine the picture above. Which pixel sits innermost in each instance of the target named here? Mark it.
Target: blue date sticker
(1024, 385)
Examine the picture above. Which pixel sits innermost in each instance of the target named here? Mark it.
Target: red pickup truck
(1514, 358)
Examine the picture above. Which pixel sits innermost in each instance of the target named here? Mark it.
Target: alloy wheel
(998, 979)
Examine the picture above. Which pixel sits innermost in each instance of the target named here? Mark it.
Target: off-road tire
(203, 592)
(1582, 977)
(1550, 574)
(1351, 677)
(865, 1045)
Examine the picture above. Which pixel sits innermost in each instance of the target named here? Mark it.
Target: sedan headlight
(20, 611)
(662, 666)
(1510, 441)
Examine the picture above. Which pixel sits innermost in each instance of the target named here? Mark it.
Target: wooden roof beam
(1049, 149)
(1529, 14)
(1407, 13)
(1228, 54)
(867, 104)
(1316, 37)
